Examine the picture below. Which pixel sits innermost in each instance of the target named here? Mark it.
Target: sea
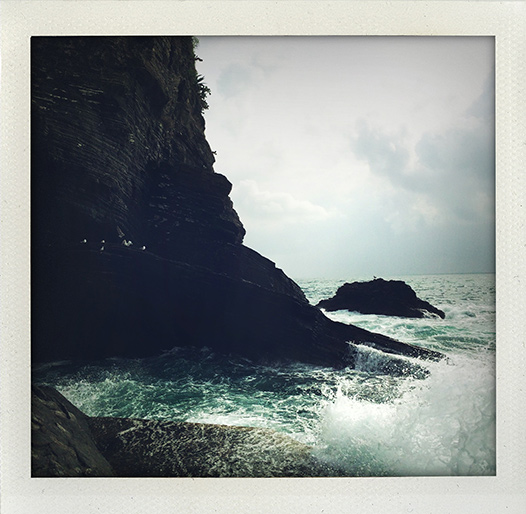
(362, 420)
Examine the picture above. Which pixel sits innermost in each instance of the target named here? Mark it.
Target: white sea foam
(375, 361)
(369, 420)
(444, 425)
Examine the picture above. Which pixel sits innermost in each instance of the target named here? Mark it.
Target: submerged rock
(379, 296)
(67, 443)
(146, 448)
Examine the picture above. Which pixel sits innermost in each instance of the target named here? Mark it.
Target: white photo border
(22, 19)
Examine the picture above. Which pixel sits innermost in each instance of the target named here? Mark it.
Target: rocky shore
(67, 443)
(137, 249)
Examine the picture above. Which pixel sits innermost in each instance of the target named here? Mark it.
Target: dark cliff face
(118, 141)
(120, 161)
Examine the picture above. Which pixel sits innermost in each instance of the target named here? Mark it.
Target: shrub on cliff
(203, 89)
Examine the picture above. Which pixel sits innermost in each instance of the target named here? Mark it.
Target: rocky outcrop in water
(379, 296)
(136, 247)
(67, 443)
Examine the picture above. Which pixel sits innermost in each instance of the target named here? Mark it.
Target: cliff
(136, 247)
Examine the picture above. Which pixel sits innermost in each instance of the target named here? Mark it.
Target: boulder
(379, 296)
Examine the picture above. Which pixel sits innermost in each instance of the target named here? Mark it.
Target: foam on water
(369, 422)
(390, 415)
(444, 425)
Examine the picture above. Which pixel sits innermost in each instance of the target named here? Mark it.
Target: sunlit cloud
(272, 206)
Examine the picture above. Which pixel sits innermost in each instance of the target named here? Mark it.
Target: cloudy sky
(357, 156)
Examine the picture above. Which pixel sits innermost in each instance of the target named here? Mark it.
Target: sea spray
(427, 418)
(378, 362)
(444, 425)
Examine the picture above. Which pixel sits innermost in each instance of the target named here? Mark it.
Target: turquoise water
(370, 423)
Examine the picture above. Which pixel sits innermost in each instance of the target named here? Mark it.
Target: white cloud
(377, 152)
(445, 177)
(269, 207)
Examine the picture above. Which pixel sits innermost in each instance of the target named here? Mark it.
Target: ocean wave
(391, 415)
(444, 425)
(371, 360)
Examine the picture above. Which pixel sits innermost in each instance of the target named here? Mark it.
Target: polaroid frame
(23, 19)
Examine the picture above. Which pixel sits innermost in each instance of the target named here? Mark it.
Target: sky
(357, 156)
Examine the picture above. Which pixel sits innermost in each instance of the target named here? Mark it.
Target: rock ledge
(67, 443)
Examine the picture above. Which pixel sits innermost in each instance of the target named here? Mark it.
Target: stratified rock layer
(136, 247)
(118, 144)
(379, 296)
(67, 443)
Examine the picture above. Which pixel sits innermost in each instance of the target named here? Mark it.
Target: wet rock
(119, 155)
(61, 441)
(67, 443)
(163, 448)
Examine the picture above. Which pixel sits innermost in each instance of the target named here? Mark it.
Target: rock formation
(136, 247)
(379, 296)
(67, 443)
(62, 444)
